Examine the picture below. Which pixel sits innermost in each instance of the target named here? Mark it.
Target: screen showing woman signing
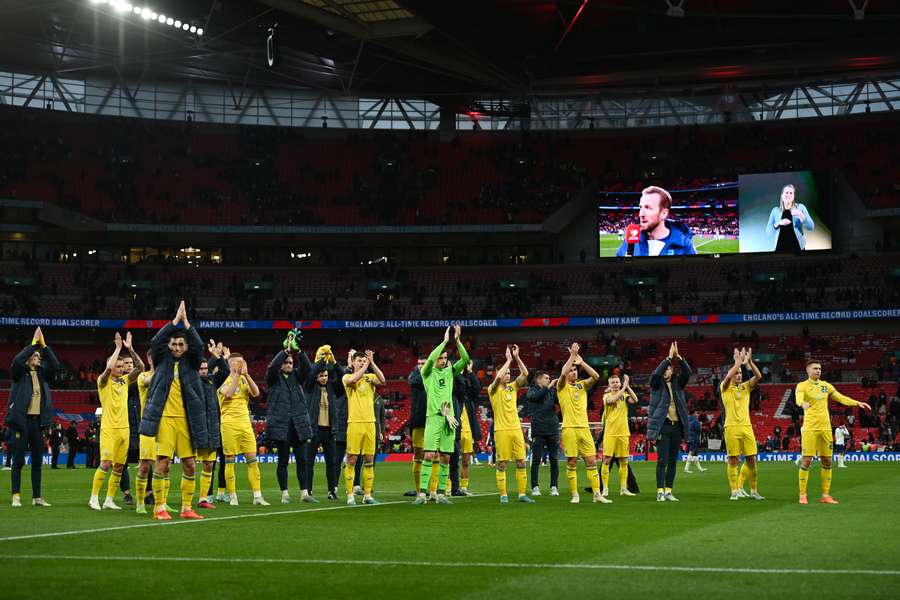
(783, 213)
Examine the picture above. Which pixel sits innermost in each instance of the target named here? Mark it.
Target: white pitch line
(53, 534)
(471, 565)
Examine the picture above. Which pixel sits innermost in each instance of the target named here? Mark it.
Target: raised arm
(228, 390)
(592, 373)
(429, 362)
(500, 372)
(18, 368)
(733, 370)
(195, 345)
(522, 379)
(274, 368)
(460, 365)
(567, 366)
(378, 374)
(222, 374)
(757, 374)
(632, 397)
(303, 366)
(251, 385)
(138, 363)
(111, 361)
(684, 374)
(614, 397)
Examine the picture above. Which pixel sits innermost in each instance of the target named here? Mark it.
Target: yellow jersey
(360, 398)
(175, 402)
(817, 393)
(114, 402)
(573, 402)
(615, 416)
(503, 403)
(143, 383)
(736, 399)
(237, 408)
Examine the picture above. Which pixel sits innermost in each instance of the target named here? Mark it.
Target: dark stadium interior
(408, 164)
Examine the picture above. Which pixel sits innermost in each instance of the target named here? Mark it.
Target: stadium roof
(456, 49)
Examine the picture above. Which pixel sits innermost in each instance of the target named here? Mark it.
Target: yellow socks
(230, 485)
(501, 482)
(368, 477)
(733, 477)
(160, 488)
(464, 483)
(744, 476)
(187, 491)
(594, 478)
(113, 486)
(623, 473)
(349, 474)
(205, 482)
(753, 476)
(604, 476)
(99, 477)
(140, 485)
(417, 473)
(572, 476)
(433, 482)
(803, 476)
(522, 480)
(826, 481)
(253, 476)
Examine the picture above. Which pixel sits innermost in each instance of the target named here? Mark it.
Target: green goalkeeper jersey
(439, 382)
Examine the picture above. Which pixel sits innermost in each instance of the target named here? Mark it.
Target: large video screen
(674, 221)
(767, 212)
(783, 212)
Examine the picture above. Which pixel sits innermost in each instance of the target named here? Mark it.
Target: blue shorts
(693, 445)
(839, 448)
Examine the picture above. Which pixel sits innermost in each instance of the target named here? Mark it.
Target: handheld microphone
(632, 237)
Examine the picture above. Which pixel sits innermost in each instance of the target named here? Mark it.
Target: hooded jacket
(679, 242)
(541, 406)
(659, 398)
(211, 384)
(188, 375)
(287, 401)
(20, 394)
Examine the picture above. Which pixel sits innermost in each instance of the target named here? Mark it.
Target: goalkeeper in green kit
(440, 420)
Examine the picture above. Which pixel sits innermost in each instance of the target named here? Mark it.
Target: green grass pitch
(609, 245)
(704, 545)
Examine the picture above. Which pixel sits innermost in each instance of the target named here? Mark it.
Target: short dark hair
(539, 374)
(813, 361)
(358, 354)
(178, 335)
(234, 355)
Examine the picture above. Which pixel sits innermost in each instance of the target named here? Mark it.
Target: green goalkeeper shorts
(438, 435)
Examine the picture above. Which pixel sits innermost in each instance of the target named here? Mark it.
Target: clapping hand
(127, 343)
(118, 341)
